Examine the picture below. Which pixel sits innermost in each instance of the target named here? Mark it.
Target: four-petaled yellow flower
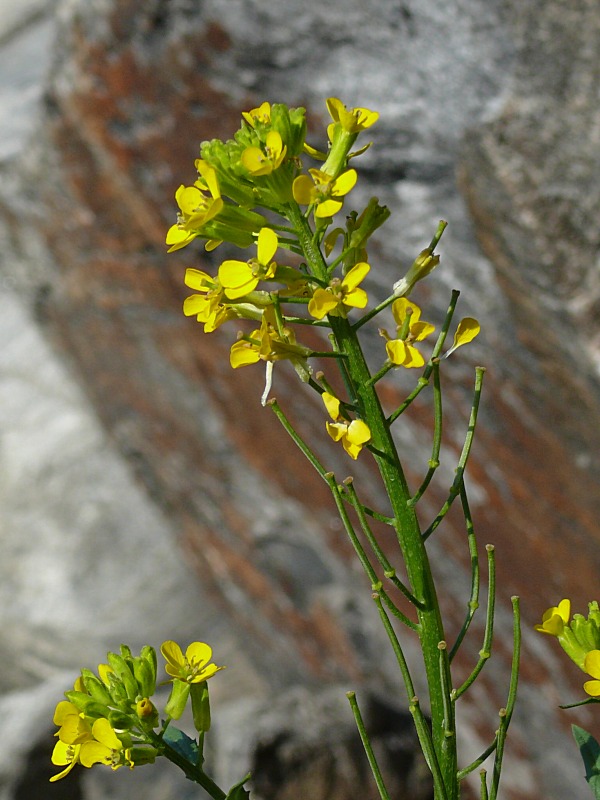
(104, 748)
(264, 162)
(207, 306)
(323, 190)
(240, 277)
(340, 295)
(353, 435)
(194, 666)
(554, 619)
(591, 665)
(401, 351)
(352, 120)
(196, 207)
(260, 114)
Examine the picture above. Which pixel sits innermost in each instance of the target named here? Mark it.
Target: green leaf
(590, 753)
(238, 792)
(182, 743)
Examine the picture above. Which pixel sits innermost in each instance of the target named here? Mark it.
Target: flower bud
(94, 687)
(124, 673)
(120, 721)
(200, 706)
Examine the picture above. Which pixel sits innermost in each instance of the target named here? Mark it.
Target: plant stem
(431, 630)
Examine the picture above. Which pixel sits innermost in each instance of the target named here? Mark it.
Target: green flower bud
(149, 654)
(126, 651)
(290, 123)
(200, 706)
(145, 677)
(95, 688)
(124, 673)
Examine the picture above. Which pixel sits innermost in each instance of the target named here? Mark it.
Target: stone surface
(500, 93)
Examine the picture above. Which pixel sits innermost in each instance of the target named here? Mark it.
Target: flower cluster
(579, 637)
(108, 718)
(255, 190)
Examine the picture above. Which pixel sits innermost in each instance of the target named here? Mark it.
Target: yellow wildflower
(260, 114)
(352, 120)
(401, 351)
(323, 190)
(194, 666)
(353, 435)
(240, 277)
(207, 306)
(259, 162)
(198, 205)
(340, 295)
(104, 748)
(64, 755)
(554, 619)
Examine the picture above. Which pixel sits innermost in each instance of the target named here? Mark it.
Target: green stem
(412, 545)
(364, 737)
(191, 771)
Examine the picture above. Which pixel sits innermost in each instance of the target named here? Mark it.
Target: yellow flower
(260, 114)
(401, 351)
(240, 277)
(352, 120)
(207, 306)
(592, 667)
(353, 435)
(341, 295)
(554, 619)
(323, 190)
(268, 344)
(194, 666)
(198, 205)
(259, 162)
(104, 748)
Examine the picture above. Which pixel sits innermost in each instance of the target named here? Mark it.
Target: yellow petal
(356, 275)
(591, 663)
(336, 430)
(564, 609)
(328, 208)
(332, 404)
(198, 280)
(267, 245)
(358, 432)
(321, 303)
(242, 354)
(357, 298)
(256, 162)
(178, 237)
(467, 330)
(199, 653)
(172, 653)
(189, 198)
(236, 278)
(400, 308)
(397, 351)
(302, 190)
(421, 330)
(95, 753)
(592, 688)
(196, 305)
(344, 183)
(103, 733)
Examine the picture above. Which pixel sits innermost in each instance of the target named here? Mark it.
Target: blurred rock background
(144, 492)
